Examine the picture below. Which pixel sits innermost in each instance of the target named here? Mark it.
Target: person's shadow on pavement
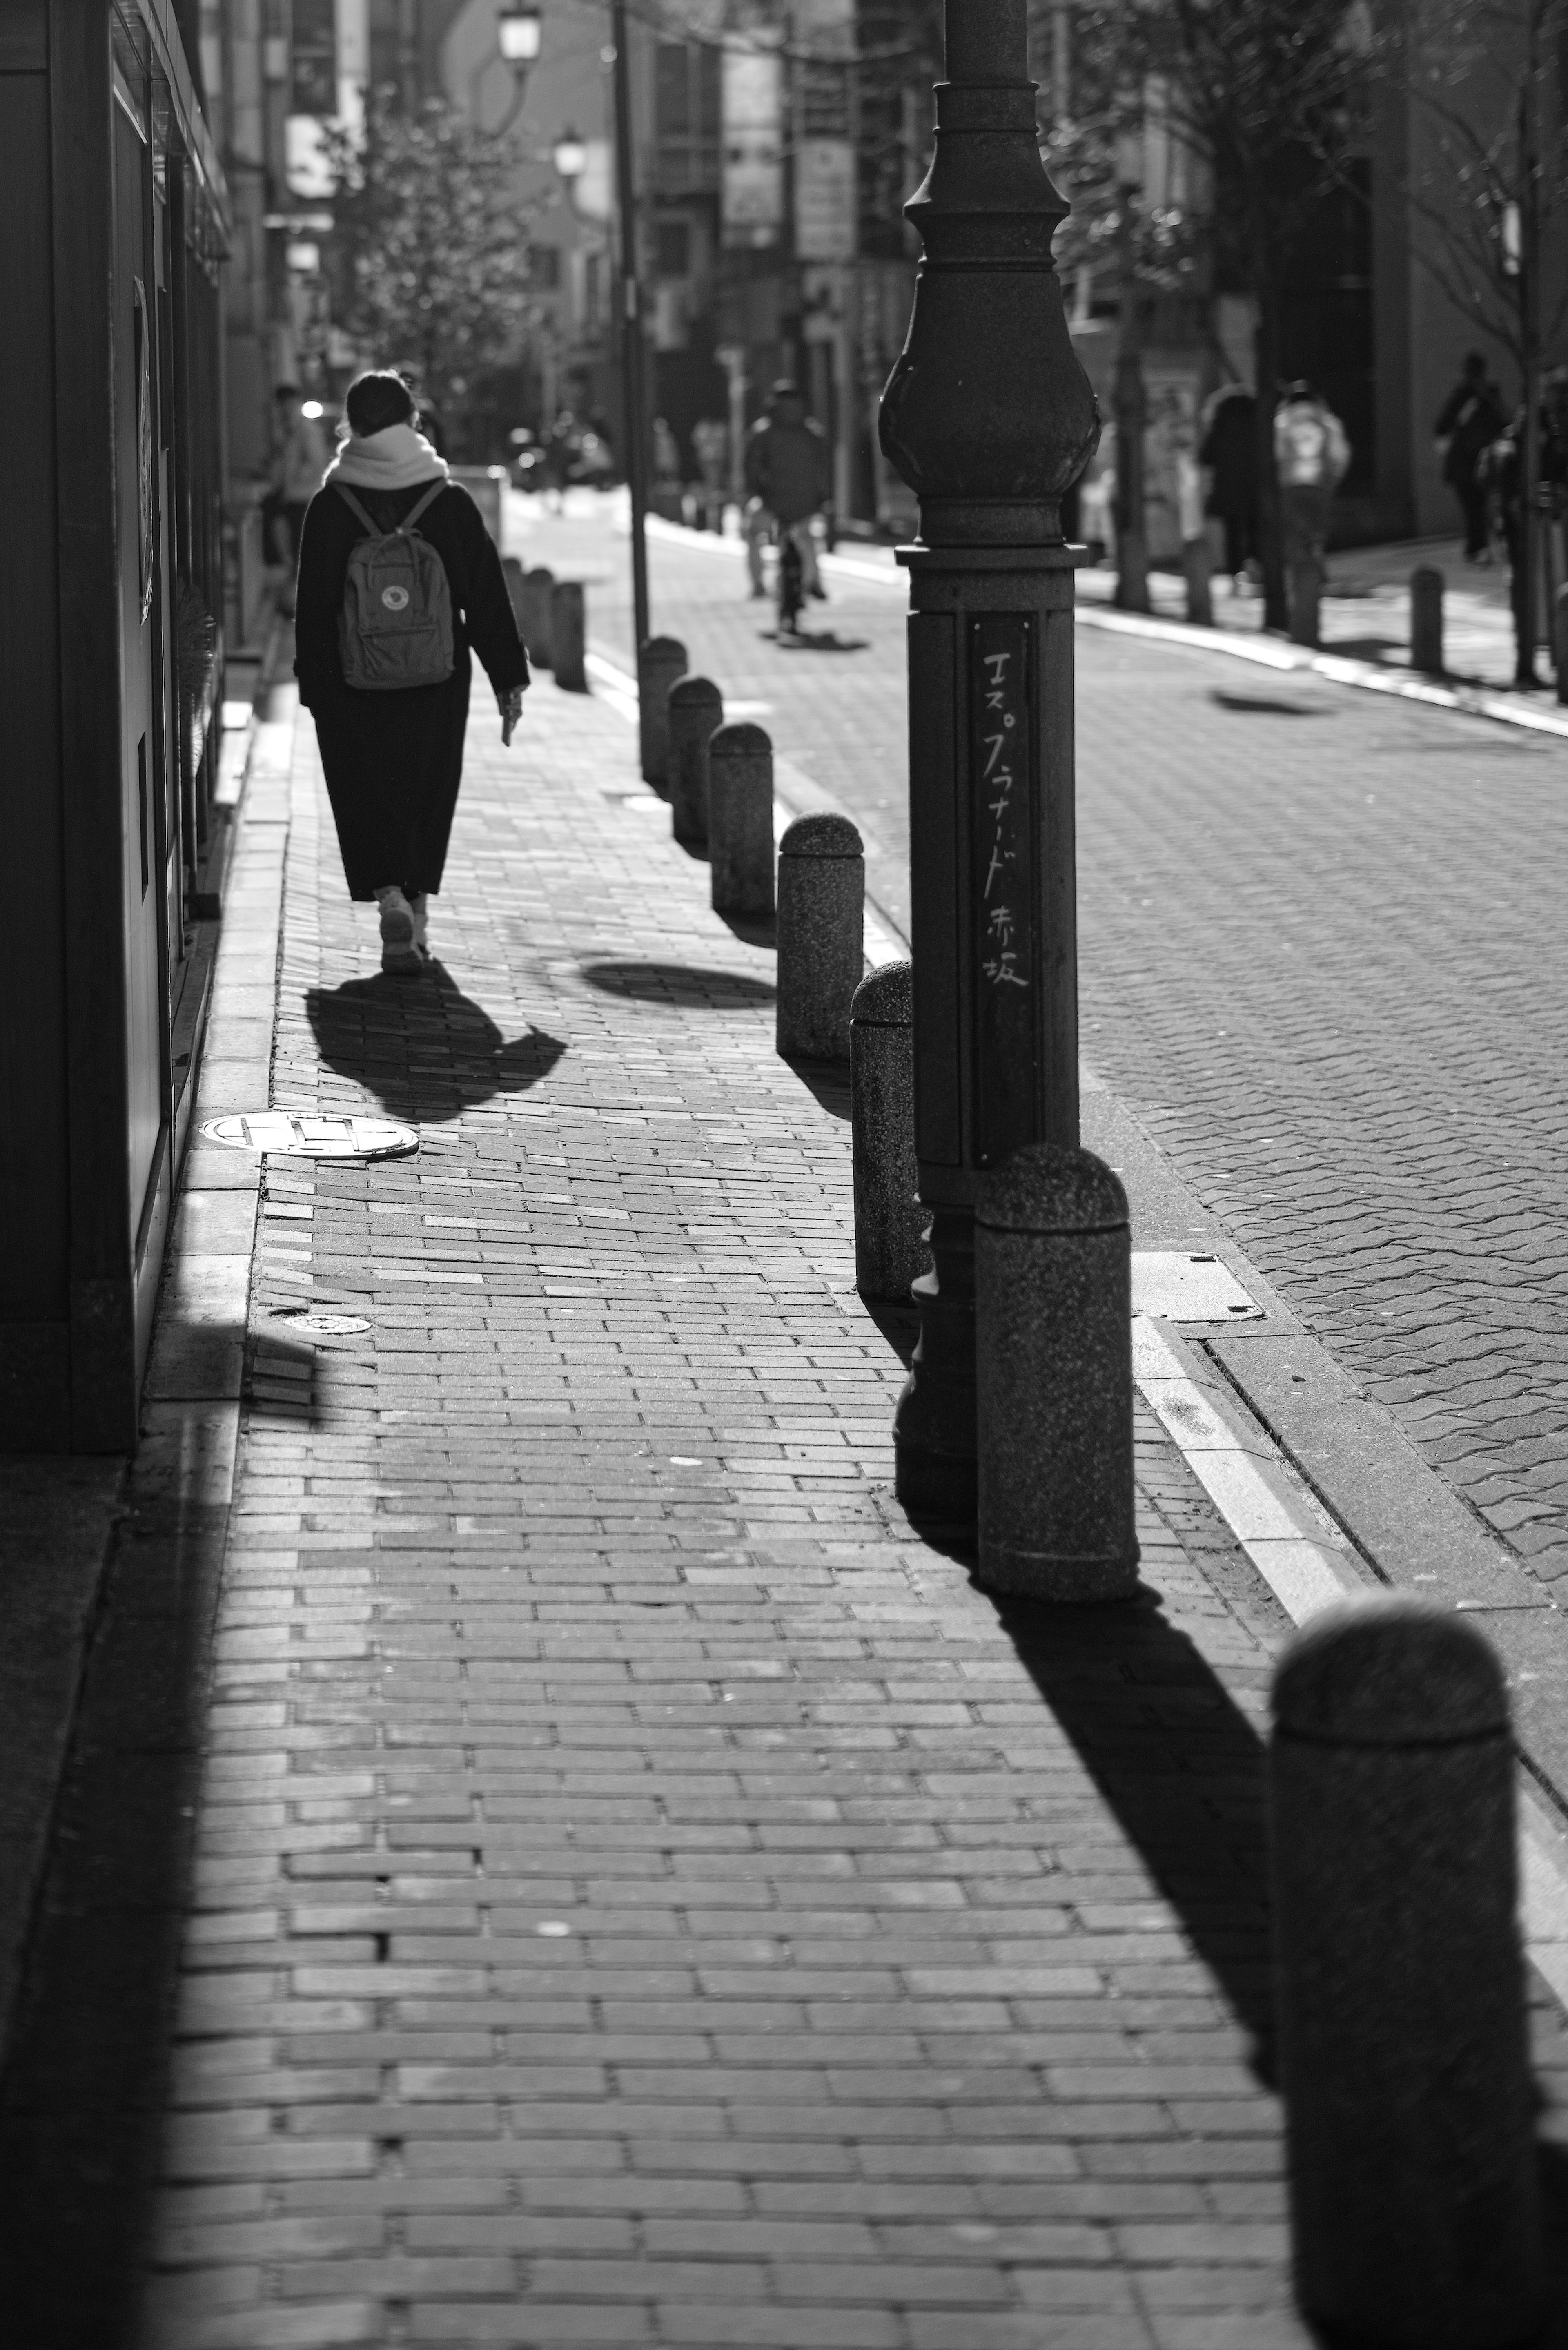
(421, 1047)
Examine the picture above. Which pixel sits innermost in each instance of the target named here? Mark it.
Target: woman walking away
(398, 578)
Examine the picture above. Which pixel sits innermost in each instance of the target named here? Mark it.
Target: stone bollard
(696, 712)
(512, 572)
(741, 819)
(1427, 621)
(821, 923)
(1053, 1380)
(890, 1250)
(1560, 641)
(567, 630)
(537, 588)
(1196, 570)
(659, 662)
(1409, 2122)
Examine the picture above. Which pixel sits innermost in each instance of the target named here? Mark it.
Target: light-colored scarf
(393, 458)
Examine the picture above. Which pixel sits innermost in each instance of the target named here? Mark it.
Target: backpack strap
(429, 499)
(356, 509)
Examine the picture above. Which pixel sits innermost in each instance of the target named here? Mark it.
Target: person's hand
(510, 707)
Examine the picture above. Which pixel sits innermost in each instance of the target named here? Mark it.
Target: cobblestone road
(1321, 955)
(643, 1896)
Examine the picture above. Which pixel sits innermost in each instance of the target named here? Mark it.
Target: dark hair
(1474, 363)
(378, 400)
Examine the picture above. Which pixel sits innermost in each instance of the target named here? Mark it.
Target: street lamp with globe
(520, 31)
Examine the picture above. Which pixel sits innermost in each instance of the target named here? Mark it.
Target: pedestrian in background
(301, 460)
(789, 479)
(1312, 456)
(711, 447)
(1229, 450)
(1469, 422)
(393, 757)
(560, 452)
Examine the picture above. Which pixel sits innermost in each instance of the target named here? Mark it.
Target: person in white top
(1311, 456)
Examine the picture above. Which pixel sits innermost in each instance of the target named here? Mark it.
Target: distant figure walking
(789, 478)
(1312, 456)
(711, 446)
(301, 460)
(1229, 450)
(1469, 422)
(560, 456)
(398, 578)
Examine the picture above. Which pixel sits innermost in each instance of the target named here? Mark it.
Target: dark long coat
(393, 761)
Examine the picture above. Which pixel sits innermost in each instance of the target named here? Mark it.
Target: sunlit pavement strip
(1305, 1561)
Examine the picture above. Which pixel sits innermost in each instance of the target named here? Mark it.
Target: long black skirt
(393, 762)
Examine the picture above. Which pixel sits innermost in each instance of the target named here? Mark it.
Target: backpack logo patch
(396, 599)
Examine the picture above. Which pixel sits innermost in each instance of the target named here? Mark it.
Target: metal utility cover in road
(280, 1132)
(1176, 1287)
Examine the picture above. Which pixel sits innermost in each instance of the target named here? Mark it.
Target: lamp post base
(934, 1425)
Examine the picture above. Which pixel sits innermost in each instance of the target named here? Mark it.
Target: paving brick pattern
(1322, 957)
(644, 1895)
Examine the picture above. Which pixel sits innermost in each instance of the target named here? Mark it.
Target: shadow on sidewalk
(421, 1047)
(1182, 1769)
(688, 985)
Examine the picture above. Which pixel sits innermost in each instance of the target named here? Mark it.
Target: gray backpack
(395, 628)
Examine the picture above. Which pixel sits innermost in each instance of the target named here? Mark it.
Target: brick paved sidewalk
(644, 1894)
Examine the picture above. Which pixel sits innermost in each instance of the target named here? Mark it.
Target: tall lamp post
(988, 417)
(630, 328)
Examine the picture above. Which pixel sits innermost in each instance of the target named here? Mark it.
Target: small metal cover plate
(1181, 1288)
(293, 1136)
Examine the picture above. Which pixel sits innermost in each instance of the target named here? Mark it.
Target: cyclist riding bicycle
(788, 481)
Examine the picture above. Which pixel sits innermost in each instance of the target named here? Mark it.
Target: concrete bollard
(821, 934)
(741, 819)
(1409, 2112)
(512, 572)
(1053, 1380)
(890, 1250)
(660, 662)
(537, 588)
(696, 712)
(1560, 641)
(1427, 621)
(1196, 570)
(569, 624)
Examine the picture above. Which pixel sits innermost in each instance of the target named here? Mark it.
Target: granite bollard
(1410, 2125)
(741, 819)
(890, 1248)
(538, 586)
(1054, 1379)
(659, 662)
(820, 936)
(568, 628)
(696, 712)
(1427, 621)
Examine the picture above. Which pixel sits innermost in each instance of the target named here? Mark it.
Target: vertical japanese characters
(1001, 800)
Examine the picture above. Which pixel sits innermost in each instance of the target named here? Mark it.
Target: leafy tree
(437, 242)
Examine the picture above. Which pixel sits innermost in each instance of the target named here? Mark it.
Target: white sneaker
(399, 953)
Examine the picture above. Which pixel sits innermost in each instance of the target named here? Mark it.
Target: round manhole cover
(280, 1132)
(321, 1326)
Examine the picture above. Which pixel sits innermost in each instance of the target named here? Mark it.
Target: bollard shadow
(1370, 649)
(421, 1047)
(828, 1080)
(682, 984)
(1182, 1769)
